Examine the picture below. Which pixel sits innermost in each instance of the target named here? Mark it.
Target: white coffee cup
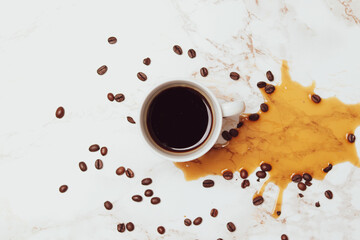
(219, 111)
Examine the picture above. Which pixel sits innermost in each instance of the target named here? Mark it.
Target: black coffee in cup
(179, 119)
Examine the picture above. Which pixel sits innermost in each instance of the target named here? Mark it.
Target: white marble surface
(49, 53)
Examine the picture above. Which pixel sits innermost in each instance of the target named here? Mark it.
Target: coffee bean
(240, 124)
(231, 227)
(234, 76)
(208, 183)
(130, 120)
(102, 70)
(141, 76)
(148, 193)
(219, 239)
(111, 97)
(296, 178)
(245, 183)
(307, 177)
(278, 213)
(177, 49)
(103, 151)
(265, 167)
(308, 183)
(301, 186)
(82, 166)
(60, 112)
(315, 98)
(119, 97)
(264, 107)
(129, 173)
(94, 148)
(191, 53)
(328, 168)
(243, 174)
(197, 221)
(269, 76)
(258, 200)
(120, 171)
(112, 40)
(226, 135)
(228, 175)
(301, 195)
(99, 164)
(187, 222)
(254, 117)
(317, 204)
(121, 227)
(161, 230)
(137, 198)
(130, 226)
(108, 205)
(147, 61)
(261, 84)
(328, 194)
(214, 212)
(155, 200)
(261, 174)
(269, 89)
(63, 188)
(233, 132)
(351, 138)
(146, 181)
(284, 237)
(204, 72)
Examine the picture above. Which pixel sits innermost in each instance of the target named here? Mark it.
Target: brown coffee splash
(295, 136)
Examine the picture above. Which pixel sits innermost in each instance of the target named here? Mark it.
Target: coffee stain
(295, 136)
(348, 10)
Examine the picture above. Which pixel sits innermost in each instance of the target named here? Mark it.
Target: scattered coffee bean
(301, 195)
(191, 53)
(328, 168)
(264, 107)
(112, 40)
(228, 175)
(261, 84)
(296, 178)
(155, 200)
(82, 166)
(315, 98)
(63, 188)
(307, 177)
(108, 205)
(269, 89)
(129, 173)
(243, 173)
(254, 117)
(269, 76)
(328, 194)
(111, 97)
(177, 49)
(130, 120)
(130, 226)
(137, 198)
(301, 186)
(147, 61)
(148, 193)
(102, 70)
(258, 200)
(284, 237)
(103, 151)
(245, 183)
(308, 183)
(317, 204)
(278, 213)
(233, 132)
(120, 171)
(214, 212)
(197, 221)
(119, 97)
(161, 230)
(60, 112)
(187, 222)
(261, 174)
(231, 227)
(94, 148)
(141, 76)
(146, 181)
(99, 164)
(351, 138)
(240, 124)
(265, 167)
(208, 183)
(121, 227)
(234, 76)
(226, 135)
(204, 72)
(219, 239)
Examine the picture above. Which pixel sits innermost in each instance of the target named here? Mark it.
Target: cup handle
(232, 108)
